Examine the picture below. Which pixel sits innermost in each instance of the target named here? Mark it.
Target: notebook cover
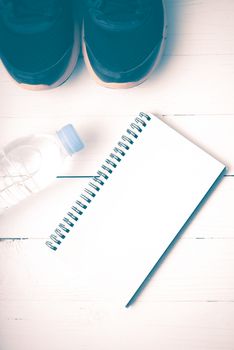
(138, 212)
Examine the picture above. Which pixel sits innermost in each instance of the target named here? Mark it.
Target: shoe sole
(128, 84)
(70, 68)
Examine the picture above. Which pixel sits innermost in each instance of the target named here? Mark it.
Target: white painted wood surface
(189, 303)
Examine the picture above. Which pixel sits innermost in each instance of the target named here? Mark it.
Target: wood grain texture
(189, 303)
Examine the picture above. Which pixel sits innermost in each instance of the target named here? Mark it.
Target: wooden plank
(38, 301)
(196, 270)
(181, 85)
(203, 326)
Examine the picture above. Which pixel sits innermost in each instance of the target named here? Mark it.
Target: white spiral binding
(96, 183)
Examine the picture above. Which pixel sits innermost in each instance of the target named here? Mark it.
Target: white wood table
(189, 303)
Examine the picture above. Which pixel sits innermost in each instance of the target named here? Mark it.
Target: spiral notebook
(125, 220)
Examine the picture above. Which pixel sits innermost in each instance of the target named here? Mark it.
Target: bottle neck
(65, 153)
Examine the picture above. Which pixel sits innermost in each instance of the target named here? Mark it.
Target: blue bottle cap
(70, 139)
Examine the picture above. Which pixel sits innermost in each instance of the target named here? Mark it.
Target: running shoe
(39, 41)
(123, 40)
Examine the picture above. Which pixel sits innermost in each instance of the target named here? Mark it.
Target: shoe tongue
(26, 13)
(32, 3)
(119, 13)
(36, 5)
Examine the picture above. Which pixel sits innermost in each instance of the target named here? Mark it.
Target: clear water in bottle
(29, 164)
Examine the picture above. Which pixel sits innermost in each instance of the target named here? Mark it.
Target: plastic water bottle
(29, 164)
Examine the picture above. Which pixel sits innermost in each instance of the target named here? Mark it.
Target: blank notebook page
(138, 212)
